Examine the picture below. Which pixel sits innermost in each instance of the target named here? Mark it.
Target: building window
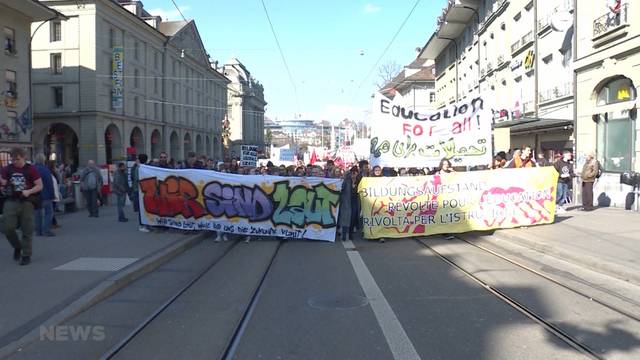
(136, 50)
(432, 97)
(56, 31)
(112, 37)
(175, 90)
(56, 63)
(11, 86)
(136, 78)
(57, 97)
(136, 105)
(616, 143)
(617, 90)
(9, 41)
(155, 60)
(155, 85)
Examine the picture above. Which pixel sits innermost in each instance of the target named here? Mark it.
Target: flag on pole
(314, 157)
(24, 121)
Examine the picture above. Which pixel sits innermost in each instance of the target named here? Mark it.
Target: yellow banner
(398, 207)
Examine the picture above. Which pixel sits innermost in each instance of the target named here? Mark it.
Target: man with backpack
(21, 183)
(90, 185)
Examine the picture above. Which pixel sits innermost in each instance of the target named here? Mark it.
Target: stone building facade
(245, 107)
(16, 18)
(117, 80)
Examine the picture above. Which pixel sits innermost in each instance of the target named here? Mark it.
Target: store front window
(617, 90)
(616, 130)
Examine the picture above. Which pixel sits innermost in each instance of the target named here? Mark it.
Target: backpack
(599, 170)
(89, 181)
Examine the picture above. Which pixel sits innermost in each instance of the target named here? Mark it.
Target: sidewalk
(118, 253)
(606, 240)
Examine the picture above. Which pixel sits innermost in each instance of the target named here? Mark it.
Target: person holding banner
(445, 167)
(522, 159)
(345, 220)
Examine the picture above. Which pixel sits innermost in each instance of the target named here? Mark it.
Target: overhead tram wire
(384, 52)
(179, 11)
(284, 60)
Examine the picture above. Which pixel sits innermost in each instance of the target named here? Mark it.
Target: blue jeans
(563, 192)
(135, 198)
(92, 201)
(121, 200)
(43, 217)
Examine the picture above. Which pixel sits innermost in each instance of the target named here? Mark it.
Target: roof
(418, 63)
(170, 28)
(401, 80)
(33, 9)
(426, 74)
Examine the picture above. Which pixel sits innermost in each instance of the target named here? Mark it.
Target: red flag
(314, 157)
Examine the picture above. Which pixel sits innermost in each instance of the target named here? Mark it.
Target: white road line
(399, 343)
(348, 244)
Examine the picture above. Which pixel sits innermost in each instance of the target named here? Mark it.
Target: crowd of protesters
(32, 193)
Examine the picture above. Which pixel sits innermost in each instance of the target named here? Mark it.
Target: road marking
(348, 244)
(399, 343)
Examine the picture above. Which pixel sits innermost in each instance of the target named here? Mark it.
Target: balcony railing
(556, 92)
(500, 60)
(610, 21)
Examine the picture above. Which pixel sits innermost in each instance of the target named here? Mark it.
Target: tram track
(521, 307)
(561, 284)
(234, 339)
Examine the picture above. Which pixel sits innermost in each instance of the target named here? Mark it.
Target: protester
(589, 174)
(192, 162)
(522, 159)
(57, 195)
(363, 165)
(164, 161)
(376, 171)
(345, 218)
(22, 183)
(120, 187)
(498, 162)
(44, 212)
(328, 168)
(135, 187)
(90, 185)
(565, 169)
(445, 167)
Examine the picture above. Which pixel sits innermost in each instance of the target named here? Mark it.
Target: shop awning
(532, 125)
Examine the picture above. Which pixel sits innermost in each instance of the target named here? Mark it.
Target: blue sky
(330, 47)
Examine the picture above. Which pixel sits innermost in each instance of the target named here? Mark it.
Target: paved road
(31, 294)
(398, 300)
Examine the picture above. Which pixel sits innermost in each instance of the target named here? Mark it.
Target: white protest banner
(403, 137)
(249, 155)
(257, 205)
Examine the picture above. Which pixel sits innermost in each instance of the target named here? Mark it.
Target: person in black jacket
(565, 169)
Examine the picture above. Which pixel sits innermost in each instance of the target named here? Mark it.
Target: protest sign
(398, 207)
(259, 205)
(248, 155)
(287, 155)
(406, 137)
